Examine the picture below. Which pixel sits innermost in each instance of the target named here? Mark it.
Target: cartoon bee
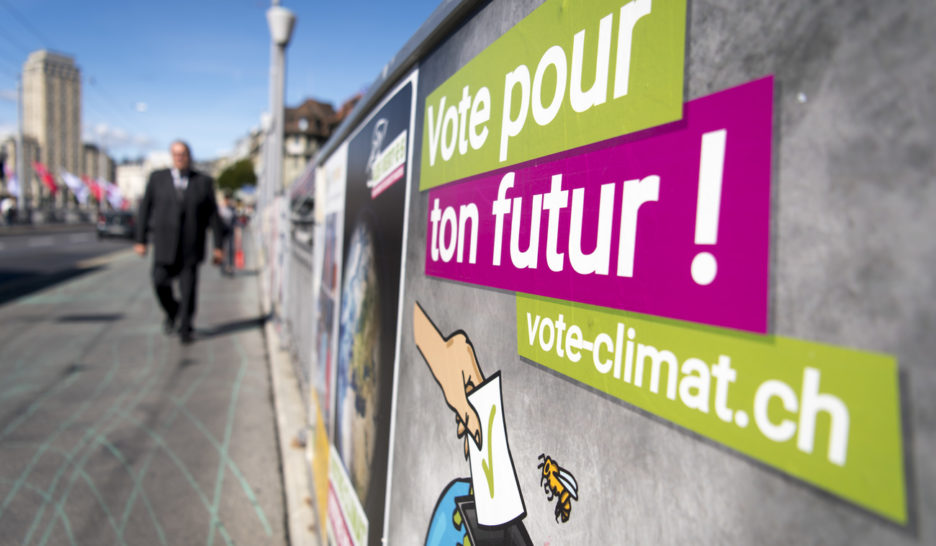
(558, 482)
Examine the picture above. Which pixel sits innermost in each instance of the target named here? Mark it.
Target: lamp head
(281, 22)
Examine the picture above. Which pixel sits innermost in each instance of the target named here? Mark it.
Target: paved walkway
(112, 433)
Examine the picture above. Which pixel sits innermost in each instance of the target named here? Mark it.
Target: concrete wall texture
(852, 262)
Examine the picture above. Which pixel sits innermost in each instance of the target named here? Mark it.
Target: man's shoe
(169, 327)
(186, 337)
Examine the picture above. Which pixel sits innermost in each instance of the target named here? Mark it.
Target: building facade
(96, 163)
(131, 176)
(52, 114)
(305, 129)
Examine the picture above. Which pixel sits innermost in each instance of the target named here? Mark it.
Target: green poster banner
(569, 74)
(827, 415)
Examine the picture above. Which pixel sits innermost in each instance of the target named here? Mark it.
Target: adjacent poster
(331, 237)
(347, 522)
(329, 215)
(373, 231)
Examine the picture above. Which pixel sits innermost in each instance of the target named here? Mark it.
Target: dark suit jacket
(177, 228)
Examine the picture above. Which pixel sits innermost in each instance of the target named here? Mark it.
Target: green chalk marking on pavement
(167, 422)
(178, 462)
(228, 428)
(46, 497)
(245, 485)
(48, 442)
(13, 425)
(136, 483)
(100, 501)
(90, 433)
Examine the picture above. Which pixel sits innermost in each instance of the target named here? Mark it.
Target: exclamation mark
(711, 166)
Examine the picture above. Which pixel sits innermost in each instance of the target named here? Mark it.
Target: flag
(96, 190)
(13, 185)
(76, 186)
(46, 177)
(114, 197)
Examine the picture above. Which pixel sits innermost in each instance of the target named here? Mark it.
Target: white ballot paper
(496, 490)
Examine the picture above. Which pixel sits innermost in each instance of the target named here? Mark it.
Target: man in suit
(177, 208)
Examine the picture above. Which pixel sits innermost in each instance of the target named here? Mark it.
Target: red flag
(96, 190)
(46, 177)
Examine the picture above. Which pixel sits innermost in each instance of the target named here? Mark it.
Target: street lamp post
(281, 22)
(101, 168)
(20, 155)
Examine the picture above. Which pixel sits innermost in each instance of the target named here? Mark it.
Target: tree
(237, 175)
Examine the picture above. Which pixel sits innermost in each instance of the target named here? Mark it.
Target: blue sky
(198, 69)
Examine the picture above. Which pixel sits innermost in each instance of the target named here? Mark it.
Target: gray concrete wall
(852, 260)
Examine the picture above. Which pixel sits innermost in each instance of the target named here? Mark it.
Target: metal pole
(276, 135)
(269, 129)
(20, 170)
(101, 168)
(281, 22)
(277, 110)
(268, 140)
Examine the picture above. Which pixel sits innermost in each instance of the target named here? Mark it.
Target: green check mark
(489, 469)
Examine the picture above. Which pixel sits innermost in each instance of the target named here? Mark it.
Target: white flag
(76, 186)
(13, 186)
(114, 196)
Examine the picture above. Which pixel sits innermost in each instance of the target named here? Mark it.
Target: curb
(301, 528)
(104, 259)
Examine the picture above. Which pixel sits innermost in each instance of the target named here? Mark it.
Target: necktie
(180, 184)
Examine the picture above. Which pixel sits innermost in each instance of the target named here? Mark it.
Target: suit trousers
(182, 310)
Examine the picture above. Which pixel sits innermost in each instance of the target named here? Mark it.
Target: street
(110, 431)
(33, 259)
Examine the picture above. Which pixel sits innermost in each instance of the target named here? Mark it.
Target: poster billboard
(578, 316)
(375, 206)
(592, 282)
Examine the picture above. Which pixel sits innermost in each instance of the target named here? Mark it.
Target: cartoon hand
(455, 368)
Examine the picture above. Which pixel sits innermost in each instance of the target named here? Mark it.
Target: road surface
(113, 433)
(36, 259)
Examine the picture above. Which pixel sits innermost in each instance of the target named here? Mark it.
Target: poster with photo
(378, 178)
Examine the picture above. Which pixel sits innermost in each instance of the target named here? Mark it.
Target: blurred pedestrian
(242, 219)
(228, 215)
(177, 208)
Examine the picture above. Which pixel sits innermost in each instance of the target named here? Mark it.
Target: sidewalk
(111, 432)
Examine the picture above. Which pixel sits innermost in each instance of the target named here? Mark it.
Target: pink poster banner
(673, 221)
